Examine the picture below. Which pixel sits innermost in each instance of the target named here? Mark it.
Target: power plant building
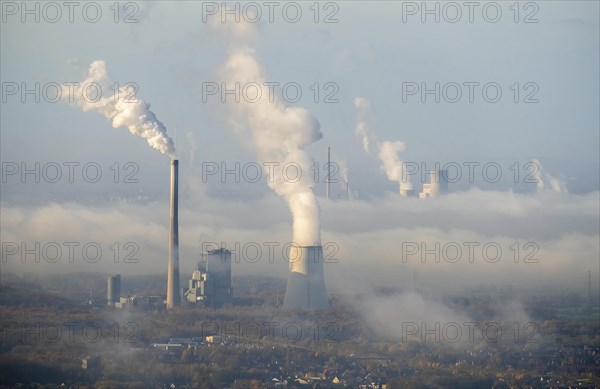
(113, 290)
(213, 286)
(438, 184)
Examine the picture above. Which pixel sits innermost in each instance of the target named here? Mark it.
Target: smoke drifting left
(121, 109)
(135, 114)
(388, 151)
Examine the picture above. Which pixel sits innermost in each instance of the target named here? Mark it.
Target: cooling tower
(173, 297)
(407, 191)
(306, 282)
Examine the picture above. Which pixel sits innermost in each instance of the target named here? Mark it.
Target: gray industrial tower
(306, 282)
(113, 290)
(173, 293)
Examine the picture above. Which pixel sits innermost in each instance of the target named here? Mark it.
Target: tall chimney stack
(327, 188)
(347, 190)
(590, 298)
(173, 298)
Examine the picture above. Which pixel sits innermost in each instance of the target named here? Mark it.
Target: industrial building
(90, 362)
(113, 290)
(438, 184)
(211, 287)
(140, 302)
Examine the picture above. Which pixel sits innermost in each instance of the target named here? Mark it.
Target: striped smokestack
(173, 298)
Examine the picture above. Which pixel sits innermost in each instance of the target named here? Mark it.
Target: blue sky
(368, 53)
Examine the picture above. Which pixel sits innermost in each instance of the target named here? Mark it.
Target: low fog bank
(460, 239)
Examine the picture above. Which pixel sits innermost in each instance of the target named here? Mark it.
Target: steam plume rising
(388, 152)
(542, 176)
(278, 134)
(121, 110)
(363, 118)
(392, 165)
(345, 180)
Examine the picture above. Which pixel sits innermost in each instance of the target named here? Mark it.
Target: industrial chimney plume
(173, 298)
(388, 151)
(280, 133)
(136, 116)
(131, 113)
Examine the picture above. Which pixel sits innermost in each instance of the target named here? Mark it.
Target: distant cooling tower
(407, 191)
(173, 297)
(306, 282)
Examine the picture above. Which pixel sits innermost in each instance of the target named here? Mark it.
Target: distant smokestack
(590, 287)
(347, 190)
(327, 188)
(173, 298)
(306, 282)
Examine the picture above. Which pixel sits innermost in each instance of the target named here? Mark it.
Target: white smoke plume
(122, 109)
(392, 165)
(193, 145)
(363, 123)
(546, 181)
(414, 317)
(343, 170)
(348, 195)
(388, 151)
(278, 134)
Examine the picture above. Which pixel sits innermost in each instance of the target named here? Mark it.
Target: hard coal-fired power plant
(306, 282)
(211, 284)
(113, 289)
(438, 184)
(173, 296)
